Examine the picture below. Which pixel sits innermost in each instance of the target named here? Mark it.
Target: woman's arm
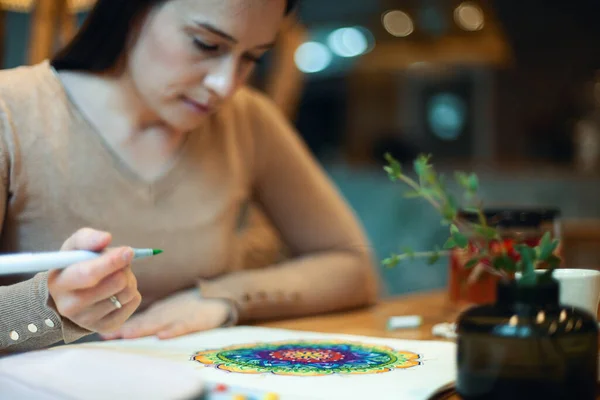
(332, 266)
(26, 321)
(59, 305)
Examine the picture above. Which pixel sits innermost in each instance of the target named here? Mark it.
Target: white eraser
(445, 329)
(404, 322)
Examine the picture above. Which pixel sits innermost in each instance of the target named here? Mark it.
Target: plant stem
(422, 254)
(417, 188)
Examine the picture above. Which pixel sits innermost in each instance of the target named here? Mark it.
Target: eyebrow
(214, 30)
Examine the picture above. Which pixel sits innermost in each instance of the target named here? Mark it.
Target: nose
(221, 78)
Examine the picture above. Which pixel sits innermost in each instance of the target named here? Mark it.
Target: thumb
(87, 239)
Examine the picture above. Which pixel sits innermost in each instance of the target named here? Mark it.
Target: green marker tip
(156, 251)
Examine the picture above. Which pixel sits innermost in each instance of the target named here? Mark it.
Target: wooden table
(433, 307)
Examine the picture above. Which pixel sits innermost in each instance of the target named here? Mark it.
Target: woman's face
(190, 56)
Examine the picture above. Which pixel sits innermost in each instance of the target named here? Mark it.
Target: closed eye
(205, 46)
(254, 59)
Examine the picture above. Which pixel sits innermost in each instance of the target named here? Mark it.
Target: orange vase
(476, 286)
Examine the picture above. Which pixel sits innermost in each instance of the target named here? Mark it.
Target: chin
(184, 123)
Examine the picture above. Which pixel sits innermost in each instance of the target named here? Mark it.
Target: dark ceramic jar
(527, 346)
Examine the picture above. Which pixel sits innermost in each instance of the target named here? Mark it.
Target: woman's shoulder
(254, 103)
(29, 93)
(248, 113)
(20, 83)
(29, 98)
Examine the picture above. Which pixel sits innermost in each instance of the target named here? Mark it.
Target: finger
(87, 239)
(105, 307)
(181, 328)
(109, 286)
(145, 324)
(88, 274)
(111, 336)
(84, 239)
(184, 327)
(174, 330)
(114, 320)
(147, 328)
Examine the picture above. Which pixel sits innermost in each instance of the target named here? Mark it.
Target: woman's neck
(113, 109)
(113, 103)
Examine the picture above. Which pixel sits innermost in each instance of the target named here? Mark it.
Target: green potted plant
(525, 343)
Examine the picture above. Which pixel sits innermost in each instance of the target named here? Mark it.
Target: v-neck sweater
(57, 175)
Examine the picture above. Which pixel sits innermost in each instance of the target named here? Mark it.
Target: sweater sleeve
(27, 320)
(331, 267)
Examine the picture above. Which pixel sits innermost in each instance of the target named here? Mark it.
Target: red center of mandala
(307, 355)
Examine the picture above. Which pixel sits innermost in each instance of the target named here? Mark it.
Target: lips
(195, 106)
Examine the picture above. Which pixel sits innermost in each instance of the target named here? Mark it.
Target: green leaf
(421, 165)
(526, 266)
(433, 258)
(460, 240)
(462, 179)
(430, 192)
(450, 244)
(442, 182)
(430, 178)
(528, 260)
(410, 253)
(391, 174)
(487, 232)
(472, 263)
(390, 159)
(391, 261)
(527, 253)
(452, 201)
(504, 263)
(448, 212)
(472, 183)
(394, 169)
(454, 229)
(528, 278)
(547, 246)
(420, 168)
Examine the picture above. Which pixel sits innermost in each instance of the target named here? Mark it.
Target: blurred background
(507, 89)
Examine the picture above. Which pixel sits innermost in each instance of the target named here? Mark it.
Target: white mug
(578, 288)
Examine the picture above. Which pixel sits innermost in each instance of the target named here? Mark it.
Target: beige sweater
(57, 175)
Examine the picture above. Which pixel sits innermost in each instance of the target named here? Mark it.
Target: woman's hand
(82, 292)
(177, 315)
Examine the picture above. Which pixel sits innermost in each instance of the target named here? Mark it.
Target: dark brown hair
(100, 42)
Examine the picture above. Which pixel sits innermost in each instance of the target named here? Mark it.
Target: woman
(141, 127)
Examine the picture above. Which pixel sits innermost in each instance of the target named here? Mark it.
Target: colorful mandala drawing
(308, 358)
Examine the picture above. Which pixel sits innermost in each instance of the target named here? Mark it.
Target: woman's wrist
(232, 315)
(233, 311)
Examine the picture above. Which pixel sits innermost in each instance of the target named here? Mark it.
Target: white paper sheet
(419, 382)
(73, 372)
